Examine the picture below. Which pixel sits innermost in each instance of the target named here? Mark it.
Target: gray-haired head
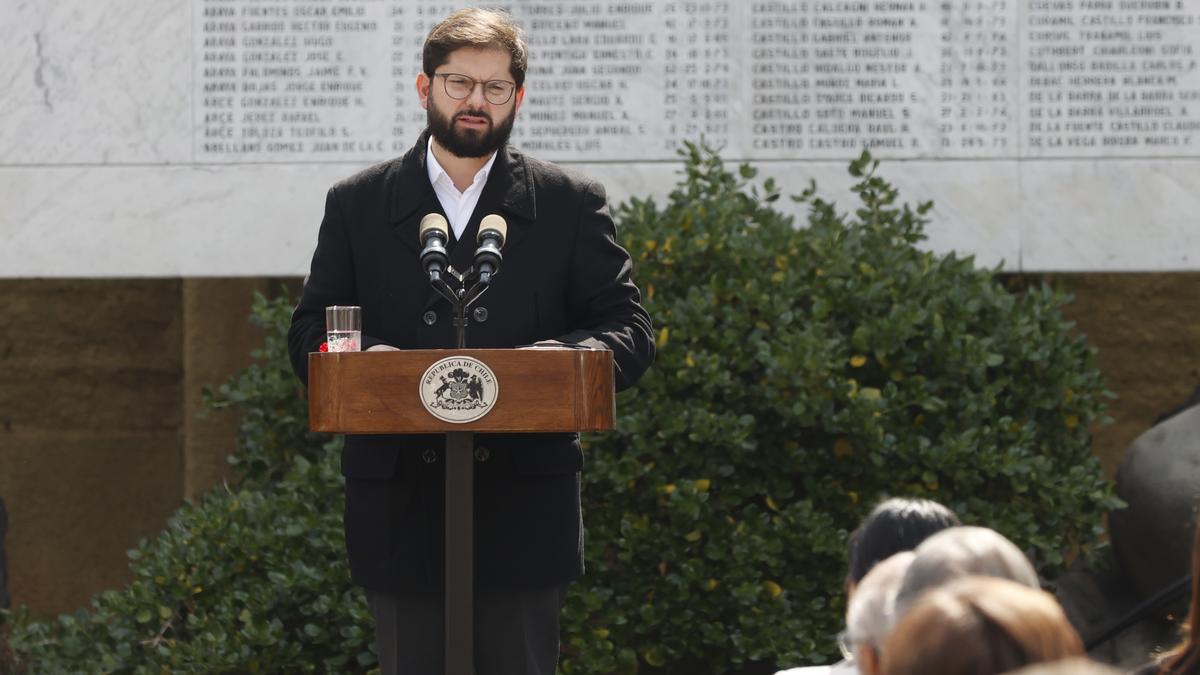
(963, 552)
(871, 612)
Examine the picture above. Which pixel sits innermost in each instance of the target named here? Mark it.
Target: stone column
(217, 340)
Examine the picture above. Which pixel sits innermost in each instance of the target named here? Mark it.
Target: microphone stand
(461, 290)
(465, 290)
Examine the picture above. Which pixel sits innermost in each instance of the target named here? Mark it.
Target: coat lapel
(412, 197)
(509, 193)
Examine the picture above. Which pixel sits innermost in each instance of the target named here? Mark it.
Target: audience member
(895, 525)
(978, 626)
(870, 614)
(962, 552)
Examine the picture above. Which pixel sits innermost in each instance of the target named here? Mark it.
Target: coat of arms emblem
(459, 389)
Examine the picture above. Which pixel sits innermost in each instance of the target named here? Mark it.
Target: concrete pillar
(90, 443)
(217, 341)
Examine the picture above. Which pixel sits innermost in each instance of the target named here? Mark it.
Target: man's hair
(979, 626)
(893, 526)
(870, 614)
(480, 29)
(961, 552)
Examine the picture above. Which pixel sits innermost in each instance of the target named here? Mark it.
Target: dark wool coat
(564, 277)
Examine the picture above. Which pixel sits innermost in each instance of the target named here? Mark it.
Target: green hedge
(802, 374)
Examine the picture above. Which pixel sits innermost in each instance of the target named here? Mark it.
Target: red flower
(324, 347)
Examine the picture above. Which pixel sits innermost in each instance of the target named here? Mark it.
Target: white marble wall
(98, 176)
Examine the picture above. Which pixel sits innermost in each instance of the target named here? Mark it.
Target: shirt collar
(436, 171)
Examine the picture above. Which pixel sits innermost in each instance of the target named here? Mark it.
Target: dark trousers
(516, 632)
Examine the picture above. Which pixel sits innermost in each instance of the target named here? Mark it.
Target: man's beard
(469, 143)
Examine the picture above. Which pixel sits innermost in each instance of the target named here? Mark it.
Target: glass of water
(343, 328)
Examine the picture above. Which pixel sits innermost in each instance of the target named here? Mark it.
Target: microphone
(492, 232)
(434, 234)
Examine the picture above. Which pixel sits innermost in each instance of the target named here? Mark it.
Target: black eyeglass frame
(474, 83)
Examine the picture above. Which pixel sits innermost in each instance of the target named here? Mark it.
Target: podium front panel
(537, 390)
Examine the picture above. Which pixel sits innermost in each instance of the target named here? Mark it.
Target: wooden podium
(425, 391)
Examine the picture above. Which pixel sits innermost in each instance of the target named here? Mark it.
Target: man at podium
(564, 279)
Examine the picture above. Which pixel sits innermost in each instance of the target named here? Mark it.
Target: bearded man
(565, 279)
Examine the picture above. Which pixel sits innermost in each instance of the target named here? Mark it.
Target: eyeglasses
(458, 87)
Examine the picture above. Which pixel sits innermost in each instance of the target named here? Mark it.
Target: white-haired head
(871, 611)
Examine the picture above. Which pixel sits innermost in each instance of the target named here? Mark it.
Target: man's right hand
(382, 348)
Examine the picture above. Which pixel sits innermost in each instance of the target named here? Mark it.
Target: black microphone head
(434, 223)
(494, 224)
(434, 234)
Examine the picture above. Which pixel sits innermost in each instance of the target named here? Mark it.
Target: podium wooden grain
(541, 390)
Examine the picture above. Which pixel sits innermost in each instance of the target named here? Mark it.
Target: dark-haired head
(477, 28)
(895, 525)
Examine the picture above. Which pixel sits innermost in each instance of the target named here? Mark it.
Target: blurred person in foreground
(1184, 659)
(891, 586)
(871, 613)
(979, 626)
(895, 525)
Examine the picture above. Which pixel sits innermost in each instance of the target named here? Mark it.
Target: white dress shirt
(457, 205)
